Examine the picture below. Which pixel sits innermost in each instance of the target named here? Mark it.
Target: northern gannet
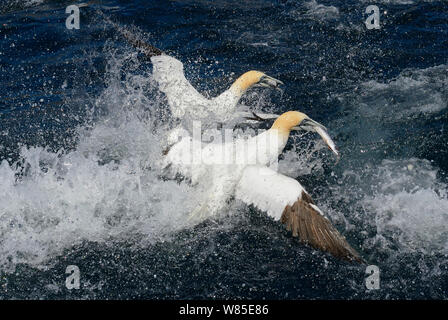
(242, 169)
(184, 100)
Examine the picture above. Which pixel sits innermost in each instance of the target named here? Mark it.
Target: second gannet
(243, 170)
(184, 100)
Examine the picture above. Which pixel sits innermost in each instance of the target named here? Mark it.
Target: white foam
(24, 3)
(298, 161)
(108, 187)
(409, 207)
(392, 1)
(316, 11)
(321, 11)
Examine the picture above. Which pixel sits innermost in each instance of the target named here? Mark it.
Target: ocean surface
(81, 127)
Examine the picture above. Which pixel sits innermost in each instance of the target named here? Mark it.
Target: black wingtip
(147, 49)
(255, 117)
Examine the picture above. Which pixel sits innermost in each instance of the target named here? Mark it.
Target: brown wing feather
(312, 228)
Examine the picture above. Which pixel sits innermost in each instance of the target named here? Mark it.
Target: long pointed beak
(269, 82)
(308, 124)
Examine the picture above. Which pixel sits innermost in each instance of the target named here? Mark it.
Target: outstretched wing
(169, 74)
(181, 95)
(146, 48)
(284, 199)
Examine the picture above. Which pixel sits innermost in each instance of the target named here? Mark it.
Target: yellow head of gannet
(187, 103)
(295, 120)
(254, 78)
(288, 120)
(183, 99)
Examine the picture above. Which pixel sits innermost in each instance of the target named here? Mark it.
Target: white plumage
(268, 190)
(183, 98)
(241, 169)
(221, 165)
(187, 103)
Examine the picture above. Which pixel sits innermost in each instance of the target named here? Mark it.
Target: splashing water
(107, 187)
(102, 204)
(410, 206)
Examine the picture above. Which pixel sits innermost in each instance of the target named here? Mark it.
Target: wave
(413, 92)
(14, 5)
(408, 206)
(399, 192)
(315, 11)
(321, 11)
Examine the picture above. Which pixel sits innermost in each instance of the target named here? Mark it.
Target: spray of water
(107, 187)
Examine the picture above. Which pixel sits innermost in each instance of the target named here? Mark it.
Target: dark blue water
(80, 127)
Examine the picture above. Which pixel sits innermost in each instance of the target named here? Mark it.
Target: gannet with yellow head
(243, 169)
(186, 102)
